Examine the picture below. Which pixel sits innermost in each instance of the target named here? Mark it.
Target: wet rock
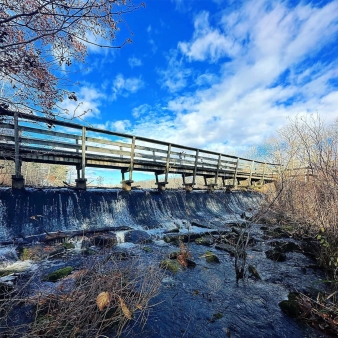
(170, 265)
(88, 252)
(4, 273)
(252, 270)
(226, 247)
(138, 237)
(68, 245)
(211, 257)
(58, 274)
(147, 249)
(173, 255)
(104, 241)
(190, 264)
(286, 246)
(275, 255)
(175, 230)
(57, 252)
(205, 240)
(216, 316)
(290, 306)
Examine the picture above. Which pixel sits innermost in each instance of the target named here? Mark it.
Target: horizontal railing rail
(26, 137)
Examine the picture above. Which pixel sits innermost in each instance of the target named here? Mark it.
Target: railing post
(132, 154)
(235, 175)
(195, 169)
(18, 181)
(251, 170)
(218, 166)
(264, 169)
(167, 164)
(81, 182)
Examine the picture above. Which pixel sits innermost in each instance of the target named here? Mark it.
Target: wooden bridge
(31, 138)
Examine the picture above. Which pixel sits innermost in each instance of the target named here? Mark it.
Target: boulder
(275, 255)
(137, 237)
(104, 240)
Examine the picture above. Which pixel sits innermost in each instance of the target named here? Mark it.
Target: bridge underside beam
(40, 155)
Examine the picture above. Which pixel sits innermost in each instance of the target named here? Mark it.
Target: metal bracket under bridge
(31, 138)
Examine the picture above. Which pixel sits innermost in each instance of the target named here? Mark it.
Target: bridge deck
(37, 139)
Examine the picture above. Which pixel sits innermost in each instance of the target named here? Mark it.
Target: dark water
(190, 300)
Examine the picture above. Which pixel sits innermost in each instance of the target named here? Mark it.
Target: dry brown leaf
(102, 300)
(125, 309)
(139, 306)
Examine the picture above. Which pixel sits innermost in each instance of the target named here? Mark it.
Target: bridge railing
(25, 137)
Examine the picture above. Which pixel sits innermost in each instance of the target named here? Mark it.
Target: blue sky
(217, 74)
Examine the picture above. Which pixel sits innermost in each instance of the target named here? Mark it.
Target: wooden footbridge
(31, 138)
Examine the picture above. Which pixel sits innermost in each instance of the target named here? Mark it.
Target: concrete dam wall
(37, 211)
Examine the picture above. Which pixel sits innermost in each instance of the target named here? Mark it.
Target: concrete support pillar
(126, 185)
(211, 187)
(81, 183)
(161, 186)
(188, 187)
(18, 182)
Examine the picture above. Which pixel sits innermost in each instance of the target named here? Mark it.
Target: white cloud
(208, 43)
(125, 86)
(120, 126)
(273, 72)
(176, 75)
(134, 62)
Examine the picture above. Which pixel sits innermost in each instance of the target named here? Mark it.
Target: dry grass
(105, 295)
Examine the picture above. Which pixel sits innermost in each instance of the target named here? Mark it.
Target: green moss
(170, 265)
(24, 253)
(147, 249)
(68, 245)
(199, 240)
(211, 257)
(254, 272)
(216, 316)
(4, 273)
(290, 306)
(58, 274)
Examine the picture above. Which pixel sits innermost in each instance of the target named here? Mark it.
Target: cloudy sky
(215, 74)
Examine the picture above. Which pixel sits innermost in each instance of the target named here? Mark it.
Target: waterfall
(36, 211)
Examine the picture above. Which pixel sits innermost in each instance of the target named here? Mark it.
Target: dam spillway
(32, 212)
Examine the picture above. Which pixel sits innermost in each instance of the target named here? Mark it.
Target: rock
(290, 306)
(170, 265)
(104, 241)
(173, 255)
(254, 272)
(58, 274)
(138, 237)
(68, 245)
(190, 264)
(88, 252)
(211, 257)
(283, 246)
(216, 316)
(175, 230)
(147, 249)
(226, 247)
(205, 240)
(275, 255)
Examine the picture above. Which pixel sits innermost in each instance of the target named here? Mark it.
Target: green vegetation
(58, 274)
(170, 265)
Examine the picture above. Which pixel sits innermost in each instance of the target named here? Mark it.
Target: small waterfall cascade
(36, 211)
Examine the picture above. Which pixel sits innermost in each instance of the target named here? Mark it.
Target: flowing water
(200, 302)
